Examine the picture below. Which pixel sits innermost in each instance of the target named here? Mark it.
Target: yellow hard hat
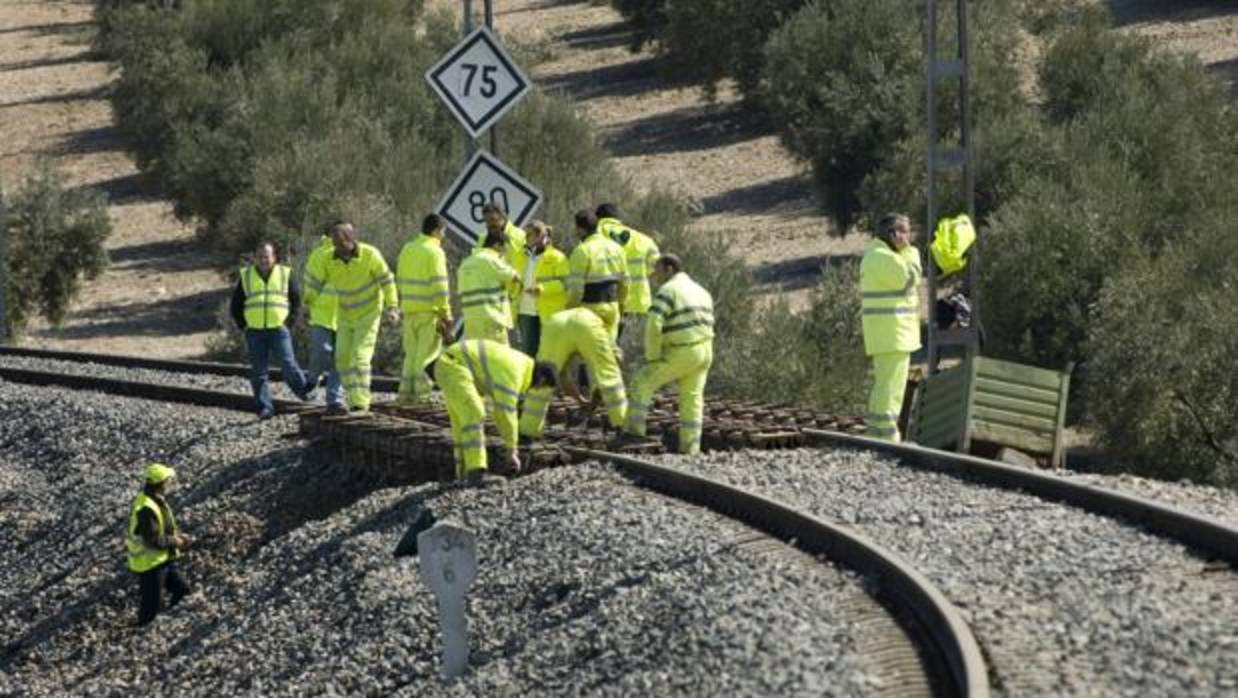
(158, 472)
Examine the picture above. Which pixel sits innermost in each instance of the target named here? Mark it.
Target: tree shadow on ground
(604, 36)
(1138, 11)
(81, 57)
(168, 317)
(50, 28)
(83, 95)
(163, 256)
(792, 195)
(125, 189)
(626, 79)
(101, 139)
(697, 127)
(798, 273)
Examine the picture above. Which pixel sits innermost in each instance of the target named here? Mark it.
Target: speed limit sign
(486, 180)
(478, 81)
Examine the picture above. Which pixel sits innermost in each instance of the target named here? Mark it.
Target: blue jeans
(261, 344)
(322, 360)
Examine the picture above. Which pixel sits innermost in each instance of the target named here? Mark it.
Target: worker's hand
(392, 315)
(179, 541)
(513, 461)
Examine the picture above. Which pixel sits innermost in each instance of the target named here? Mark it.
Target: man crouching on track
(264, 302)
(475, 367)
(567, 333)
(154, 542)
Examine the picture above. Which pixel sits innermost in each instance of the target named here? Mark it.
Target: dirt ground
(52, 105)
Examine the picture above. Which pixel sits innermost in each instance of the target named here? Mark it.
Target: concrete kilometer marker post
(448, 561)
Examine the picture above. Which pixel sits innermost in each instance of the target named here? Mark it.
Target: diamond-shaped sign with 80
(478, 81)
(486, 180)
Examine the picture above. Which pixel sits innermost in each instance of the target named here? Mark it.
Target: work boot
(336, 411)
(266, 414)
(483, 478)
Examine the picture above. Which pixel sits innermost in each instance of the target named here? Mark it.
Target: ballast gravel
(588, 585)
(1063, 602)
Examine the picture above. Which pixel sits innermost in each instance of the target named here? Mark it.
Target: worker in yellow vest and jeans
(360, 278)
(640, 253)
(544, 274)
(599, 278)
(154, 542)
(486, 282)
(470, 371)
(322, 325)
(264, 302)
(421, 276)
(567, 334)
(679, 348)
(889, 290)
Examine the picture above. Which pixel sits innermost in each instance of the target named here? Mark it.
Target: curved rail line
(950, 645)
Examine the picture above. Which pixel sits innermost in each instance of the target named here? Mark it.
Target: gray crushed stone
(1215, 502)
(1063, 602)
(588, 586)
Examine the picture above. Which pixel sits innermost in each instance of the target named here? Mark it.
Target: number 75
(488, 86)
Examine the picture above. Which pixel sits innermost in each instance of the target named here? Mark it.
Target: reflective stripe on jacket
(362, 283)
(640, 252)
(890, 296)
(595, 262)
(501, 373)
(485, 282)
(266, 301)
(322, 312)
(682, 314)
(142, 557)
(421, 277)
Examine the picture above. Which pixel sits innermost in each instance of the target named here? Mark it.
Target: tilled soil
(1063, 602)
(588, 586)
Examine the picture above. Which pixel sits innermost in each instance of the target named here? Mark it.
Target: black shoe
(483, 478)
(264, 415)
(336, 410)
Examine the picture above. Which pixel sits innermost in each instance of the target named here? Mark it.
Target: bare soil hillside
(160, 295)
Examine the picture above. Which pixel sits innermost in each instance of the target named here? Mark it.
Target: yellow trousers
(482, 327)
(467, 413)
(885, 402)
(688, 367)
(354, 355)
(422, 344)
(604, 373)
(609, 312)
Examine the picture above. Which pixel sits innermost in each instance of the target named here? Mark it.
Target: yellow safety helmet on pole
(158, 472)
(951, 241)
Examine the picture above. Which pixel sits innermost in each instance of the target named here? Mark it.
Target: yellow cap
(158, 472)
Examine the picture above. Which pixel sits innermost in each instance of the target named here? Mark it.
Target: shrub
(1163, 340)
(54, 237)
(846, 84)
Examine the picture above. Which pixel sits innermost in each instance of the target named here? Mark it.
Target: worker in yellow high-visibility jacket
(889, 290)
(425, 303)
(599, 278)
(366, 291)
(544, 274)
(679, 348)
(486, 282)
(640, 253)
(154, 543)
(565, 335)
(495, 218)
(322, 325)
(468, 373)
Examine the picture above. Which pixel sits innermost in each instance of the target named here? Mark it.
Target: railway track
(921, 645)
(403, 445)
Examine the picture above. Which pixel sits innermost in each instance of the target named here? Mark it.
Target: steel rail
(384, 384)
(1197, 531)
(953, 643)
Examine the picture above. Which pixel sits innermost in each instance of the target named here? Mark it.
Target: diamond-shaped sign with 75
(478, 81)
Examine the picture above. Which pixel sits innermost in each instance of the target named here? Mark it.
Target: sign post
(448, 561)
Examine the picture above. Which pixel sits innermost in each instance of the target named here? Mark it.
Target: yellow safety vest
(421, 276)
(485, 282)
(363, 284)
(322, 312)
(640, 252)
(891, 299)
(550, 277)
(682, 314)
(596, 261)
(951, 241)
(266, 301)
(143, 558)
(499, 372)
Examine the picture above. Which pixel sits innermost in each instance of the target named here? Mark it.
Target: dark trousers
(530, 327)
(152, 583)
